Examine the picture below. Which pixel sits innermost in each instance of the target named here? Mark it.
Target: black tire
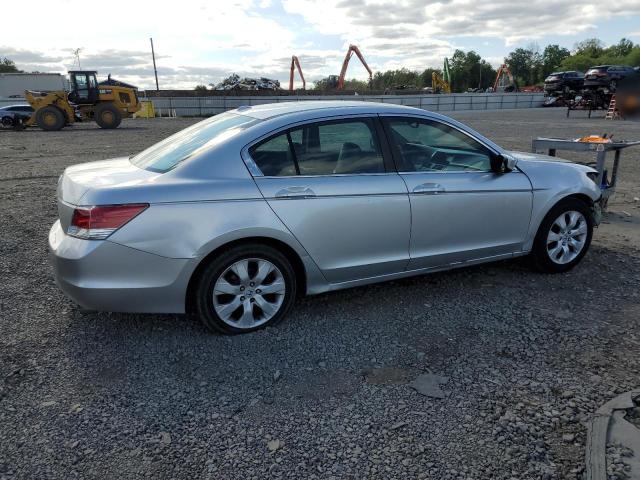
(540, 256)
(204, 292)
(50, 118)
(7, 121)
(107, 115)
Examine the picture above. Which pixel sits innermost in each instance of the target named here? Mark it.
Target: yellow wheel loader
(105, 103)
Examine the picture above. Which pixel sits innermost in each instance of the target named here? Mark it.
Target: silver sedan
(235, 216)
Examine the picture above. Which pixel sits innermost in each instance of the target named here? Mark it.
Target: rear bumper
(102, 275)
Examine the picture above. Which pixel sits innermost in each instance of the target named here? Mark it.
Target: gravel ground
(527, 357)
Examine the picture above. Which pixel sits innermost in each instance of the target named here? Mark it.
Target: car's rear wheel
(244, 289)
(564, 236)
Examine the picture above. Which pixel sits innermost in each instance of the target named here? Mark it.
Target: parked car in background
(606, 76)
(9, 113)
(235, 216)
(564, 82)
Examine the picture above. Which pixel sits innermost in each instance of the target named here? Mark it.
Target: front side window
(167, 154)
(324, 148)
(430, 146)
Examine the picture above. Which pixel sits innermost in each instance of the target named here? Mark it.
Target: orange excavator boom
(352, 49)
(504, 71)
(295, 63)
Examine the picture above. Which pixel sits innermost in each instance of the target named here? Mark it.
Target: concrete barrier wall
(207, 106)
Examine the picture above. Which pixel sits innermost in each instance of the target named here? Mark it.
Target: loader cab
(84, 87)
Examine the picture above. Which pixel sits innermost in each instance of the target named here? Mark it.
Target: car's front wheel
(564, 236)
(244, 289)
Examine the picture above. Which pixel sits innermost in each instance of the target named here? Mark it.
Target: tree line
(529, 65)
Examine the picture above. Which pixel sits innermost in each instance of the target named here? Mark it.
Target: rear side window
(274, 157)
(167, 154)
(326, 148)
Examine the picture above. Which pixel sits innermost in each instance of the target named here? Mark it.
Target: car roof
(320, 108)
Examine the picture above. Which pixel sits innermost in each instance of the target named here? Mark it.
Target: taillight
(100, 221)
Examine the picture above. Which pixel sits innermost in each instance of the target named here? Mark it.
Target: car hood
(527, 160)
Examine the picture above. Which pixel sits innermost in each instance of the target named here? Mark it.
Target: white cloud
(187, 37)
(511, 20)
(200, 41)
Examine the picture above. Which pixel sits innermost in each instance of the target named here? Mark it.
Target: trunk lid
(77, 180)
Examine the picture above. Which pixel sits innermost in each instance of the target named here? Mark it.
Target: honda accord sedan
(237, 215)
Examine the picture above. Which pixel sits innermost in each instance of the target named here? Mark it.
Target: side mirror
(509, 163)
(502, 164)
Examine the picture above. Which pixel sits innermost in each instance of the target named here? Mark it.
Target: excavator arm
(504, 71)
(438, 84)
(295, 63)
(345, 64)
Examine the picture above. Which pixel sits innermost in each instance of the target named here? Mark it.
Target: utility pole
(155, 70)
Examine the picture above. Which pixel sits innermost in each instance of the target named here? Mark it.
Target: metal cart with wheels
(607, 183)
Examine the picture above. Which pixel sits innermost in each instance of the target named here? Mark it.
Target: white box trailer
(14, 84)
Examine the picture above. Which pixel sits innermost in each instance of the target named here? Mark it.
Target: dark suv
(606, 76)
(564, 82)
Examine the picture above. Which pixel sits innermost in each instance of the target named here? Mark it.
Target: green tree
(591, 47)
(552, 58)
(353, 84)
(356, 85)
(8, 66)
(633, 58)
(621, 49)
(393, 79)
(526, 65)
(201, 88)
(579, 62)
(469, 70)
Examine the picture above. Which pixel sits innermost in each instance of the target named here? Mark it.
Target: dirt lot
(326, 394)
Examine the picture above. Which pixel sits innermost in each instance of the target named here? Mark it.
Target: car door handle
(295, 192)
(429, 189)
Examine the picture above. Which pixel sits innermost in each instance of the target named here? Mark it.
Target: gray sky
(199, 42)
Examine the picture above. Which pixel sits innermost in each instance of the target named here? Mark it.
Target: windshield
(165, 155)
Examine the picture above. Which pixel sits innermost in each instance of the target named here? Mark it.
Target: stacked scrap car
(234, 82)
(570, 81)
(606, 76)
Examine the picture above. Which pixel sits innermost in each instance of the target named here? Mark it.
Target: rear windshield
(168, 153)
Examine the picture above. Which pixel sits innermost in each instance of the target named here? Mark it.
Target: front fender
(552, 181)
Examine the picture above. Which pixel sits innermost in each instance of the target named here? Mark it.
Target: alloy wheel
(249, 293)
(567, 237)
